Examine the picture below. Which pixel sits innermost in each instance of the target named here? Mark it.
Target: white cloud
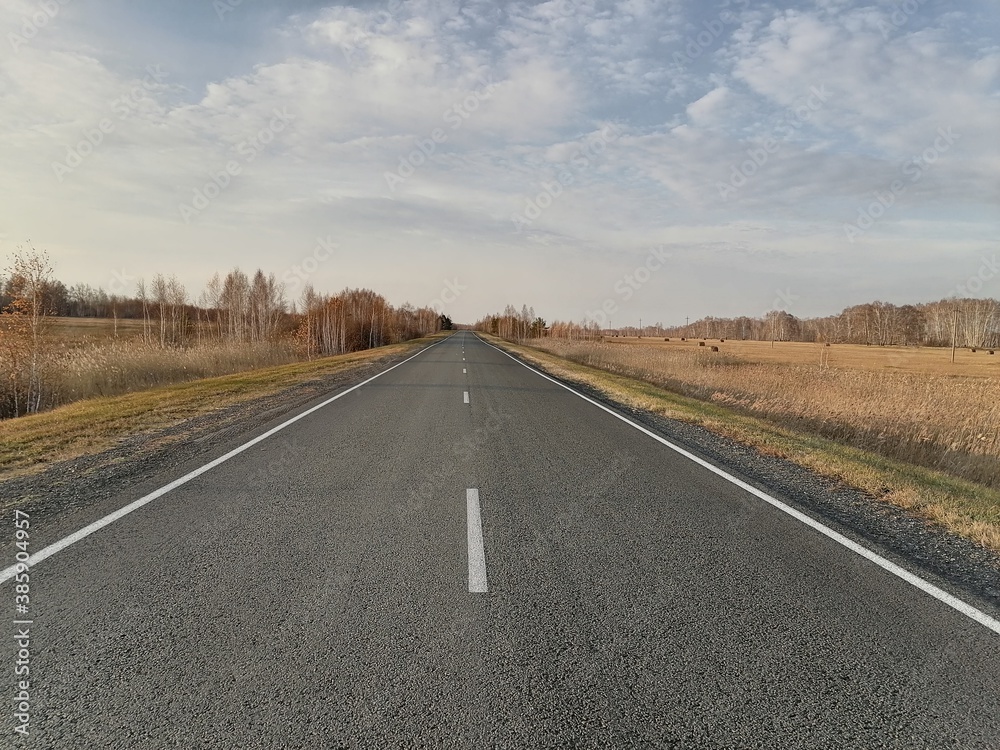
(517, 90)
(706, 109)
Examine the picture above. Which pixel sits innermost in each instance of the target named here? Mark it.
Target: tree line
(967, 322)
(513, 325)
(359, 319)
(237, 308)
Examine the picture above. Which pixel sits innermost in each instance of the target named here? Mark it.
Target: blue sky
(657, 158)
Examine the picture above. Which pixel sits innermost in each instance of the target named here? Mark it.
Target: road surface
(462, 553)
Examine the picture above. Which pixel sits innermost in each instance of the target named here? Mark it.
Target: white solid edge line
(477, 554)
(927, 587)
(86, 531)
(466, 397)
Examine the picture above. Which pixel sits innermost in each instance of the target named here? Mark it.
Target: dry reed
(75, 371)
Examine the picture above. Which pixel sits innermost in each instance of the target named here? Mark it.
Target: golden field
(923, 360)
(910, 404)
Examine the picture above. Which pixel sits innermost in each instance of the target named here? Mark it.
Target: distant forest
(237, 308)
(974, 323)
(239, 322)
(969, 322)
(254, 308)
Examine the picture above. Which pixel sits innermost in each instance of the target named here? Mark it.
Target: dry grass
(94, 329)
(941, 422)
(81, 358)
(921, 360)
(113, 367)
(774, 408)
(28, 444)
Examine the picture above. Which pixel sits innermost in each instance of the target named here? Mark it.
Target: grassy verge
(29, 444)
(961, 506)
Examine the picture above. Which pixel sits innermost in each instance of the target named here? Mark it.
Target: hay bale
(701, 343)
(666, 339)
(715, 348)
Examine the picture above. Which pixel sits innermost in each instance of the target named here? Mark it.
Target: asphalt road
(314, 591)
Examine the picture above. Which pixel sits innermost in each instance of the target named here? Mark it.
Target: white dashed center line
(477, 555)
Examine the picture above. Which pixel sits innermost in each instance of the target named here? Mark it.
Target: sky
(610, 160)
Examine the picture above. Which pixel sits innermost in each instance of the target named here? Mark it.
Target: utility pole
(954, 332)
(640, 327)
